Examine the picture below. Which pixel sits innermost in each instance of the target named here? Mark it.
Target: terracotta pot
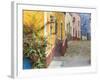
(34, 57)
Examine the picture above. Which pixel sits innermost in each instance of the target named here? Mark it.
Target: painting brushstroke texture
(54, 39)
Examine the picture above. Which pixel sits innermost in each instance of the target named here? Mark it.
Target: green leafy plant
(34, 47)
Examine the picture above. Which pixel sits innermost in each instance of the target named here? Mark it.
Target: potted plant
(34, 48)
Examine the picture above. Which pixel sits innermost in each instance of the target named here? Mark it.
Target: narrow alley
(78, 54)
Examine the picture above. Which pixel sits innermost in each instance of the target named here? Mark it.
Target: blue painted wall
(85, 24)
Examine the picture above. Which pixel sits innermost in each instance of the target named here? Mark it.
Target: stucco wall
(57, 24)
(69, 25)
(85, 24)
(76, 25)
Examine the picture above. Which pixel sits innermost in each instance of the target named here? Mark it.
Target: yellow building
(46, 24)
(55, 29)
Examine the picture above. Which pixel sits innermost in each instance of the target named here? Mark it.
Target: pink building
(76, 27)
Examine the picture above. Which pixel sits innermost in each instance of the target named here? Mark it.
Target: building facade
(85, 26)
(76, 27)
(49, 25)
(69, 26)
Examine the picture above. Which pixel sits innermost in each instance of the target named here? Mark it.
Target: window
(73, 19)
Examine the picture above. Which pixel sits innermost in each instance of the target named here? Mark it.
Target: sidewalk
(78, 54)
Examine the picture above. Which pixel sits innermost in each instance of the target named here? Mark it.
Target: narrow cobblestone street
(78, 54)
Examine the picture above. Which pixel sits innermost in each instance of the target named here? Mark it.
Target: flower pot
(27, 63)
(34, 57)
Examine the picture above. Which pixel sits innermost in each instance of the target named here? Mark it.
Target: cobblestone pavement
(78, 54)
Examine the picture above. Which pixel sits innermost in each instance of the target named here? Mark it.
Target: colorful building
(76, 28)
(49, 25)
(85, 26)
(56, 28)
(69, 26)
(55, 34)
